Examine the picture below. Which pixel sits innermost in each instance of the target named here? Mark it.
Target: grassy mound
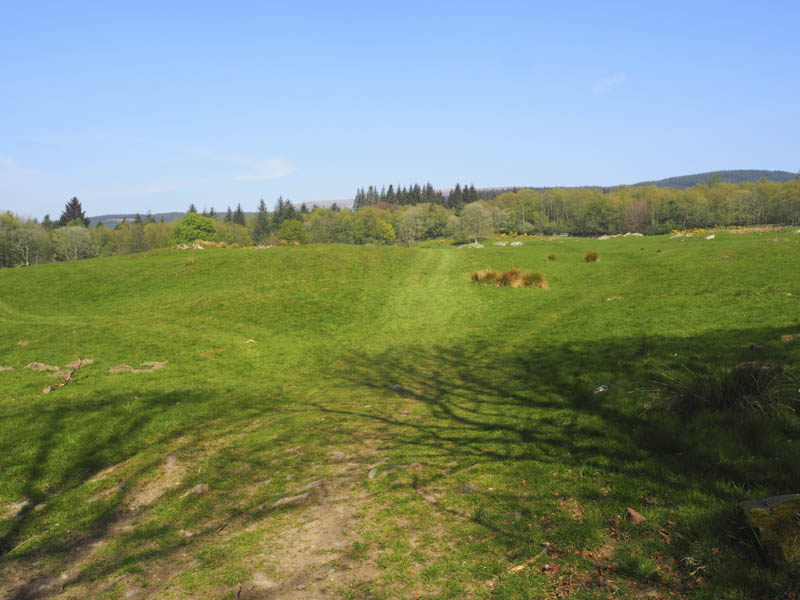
(512, 277)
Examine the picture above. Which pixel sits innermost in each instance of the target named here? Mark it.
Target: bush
(591, 257)
(292, 230)
(535, 279)
(552, 257)
(191, 228)
(758, 386)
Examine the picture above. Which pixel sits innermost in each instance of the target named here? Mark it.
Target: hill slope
(737, 176)
(364, 422)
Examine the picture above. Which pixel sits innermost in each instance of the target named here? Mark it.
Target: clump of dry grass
(591, 257)
(512, 277)
(189, 262)
(552, 257)
(535, 279)
(485, 276)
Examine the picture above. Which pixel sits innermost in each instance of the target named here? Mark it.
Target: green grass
(499, 453)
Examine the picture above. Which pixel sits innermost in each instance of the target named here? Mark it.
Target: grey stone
(776, 525)
(291, 500)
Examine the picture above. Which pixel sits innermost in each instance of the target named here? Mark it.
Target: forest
(410, 214)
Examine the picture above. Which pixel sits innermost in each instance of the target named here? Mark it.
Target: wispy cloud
(11, 168)
(222, 168)
(604, 85)
(250, 169)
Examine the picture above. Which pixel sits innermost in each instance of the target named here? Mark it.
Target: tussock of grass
(552, 257)
(591, 257)
(512, 277)
(752, 386)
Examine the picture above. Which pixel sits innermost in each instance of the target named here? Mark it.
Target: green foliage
(193, 227)
(292, 230)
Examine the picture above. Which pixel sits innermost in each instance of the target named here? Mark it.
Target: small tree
(292, 230)
(73, 243)
(476, 220)
(412, 225)
(73, 212)
(238, 216)
(193, 227)
(261, 223)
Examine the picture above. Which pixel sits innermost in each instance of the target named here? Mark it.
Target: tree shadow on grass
(545, 408)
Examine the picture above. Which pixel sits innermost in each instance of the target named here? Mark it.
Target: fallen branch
(65, 381)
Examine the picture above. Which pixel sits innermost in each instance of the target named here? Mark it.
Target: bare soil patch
(37, 366)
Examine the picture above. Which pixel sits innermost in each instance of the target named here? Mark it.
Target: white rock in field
(501, 243)
(516, 243)
(604, 237)
(711, 237)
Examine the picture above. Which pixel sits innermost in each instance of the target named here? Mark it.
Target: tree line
(395, 216)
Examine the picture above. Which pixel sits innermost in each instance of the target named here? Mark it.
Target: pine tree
(192, 208)
(334, 207)
(238, 216)
(149, 218)
(261, 225)
(228, 216)
(390, 195)
(47, 223)
(73, 212)
(303, 209)
(212, 213)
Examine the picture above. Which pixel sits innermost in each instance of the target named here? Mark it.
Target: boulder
(776, 525)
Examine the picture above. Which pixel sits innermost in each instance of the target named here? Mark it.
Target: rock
(635, 517)
(170, 464)
(338, 454)
(776, 526)
(710, 237)
(604, 237)
(372, 473)
(501, 243)
(201, 489)
(600, 389)
(310, 486)
(516, 243)
(290, 500)
(395, 387)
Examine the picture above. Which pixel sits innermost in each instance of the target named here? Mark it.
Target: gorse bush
(591, 257)
(512, 277)
(758, 386)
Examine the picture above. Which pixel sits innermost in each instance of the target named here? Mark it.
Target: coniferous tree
(149, 218)
(303, 209)
(73, 212)
(334, 207)
(47, 223)
(238, 216)
(212, 213)
(192, 208)
(261, 226)
(228, 216)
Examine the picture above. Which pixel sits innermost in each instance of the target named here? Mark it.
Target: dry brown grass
(512, 277)
(552, 257)
(591, 257)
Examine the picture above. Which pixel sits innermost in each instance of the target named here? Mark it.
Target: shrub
(591, 257)
(759, 386)
(191, 228)
(552, 257)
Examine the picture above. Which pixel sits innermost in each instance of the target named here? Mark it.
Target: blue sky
(151, 106)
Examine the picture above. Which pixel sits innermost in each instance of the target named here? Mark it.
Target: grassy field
(430, 438)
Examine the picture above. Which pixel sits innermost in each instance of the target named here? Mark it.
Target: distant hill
(739, 176)
(111, 221)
